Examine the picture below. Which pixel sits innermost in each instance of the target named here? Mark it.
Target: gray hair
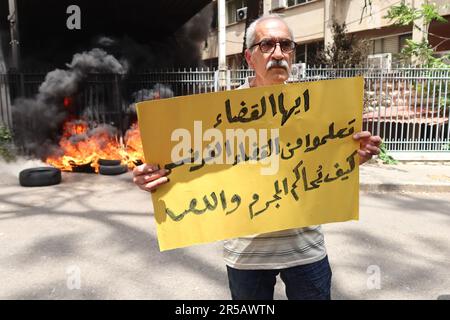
(250, 34)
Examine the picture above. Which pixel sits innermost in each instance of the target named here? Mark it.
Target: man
(297, 255)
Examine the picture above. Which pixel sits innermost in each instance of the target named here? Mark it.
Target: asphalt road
(94, 237)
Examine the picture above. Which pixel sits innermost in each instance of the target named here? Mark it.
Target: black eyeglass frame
(274, 47)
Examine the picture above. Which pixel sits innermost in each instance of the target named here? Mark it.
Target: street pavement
(94, 237)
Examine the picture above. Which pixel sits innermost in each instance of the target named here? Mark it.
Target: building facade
(311, 22)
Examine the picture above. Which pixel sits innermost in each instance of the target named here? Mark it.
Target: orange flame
(82, 146)
(67, 102)
(134, 152)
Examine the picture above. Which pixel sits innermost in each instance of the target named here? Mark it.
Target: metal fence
(408, 107)
(179, 81)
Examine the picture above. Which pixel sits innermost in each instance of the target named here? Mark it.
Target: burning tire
(39, 177)
(112, 170)
(106, 162)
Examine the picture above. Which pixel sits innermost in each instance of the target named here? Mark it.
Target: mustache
(277, 64)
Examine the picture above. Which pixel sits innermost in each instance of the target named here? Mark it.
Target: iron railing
(408, 107)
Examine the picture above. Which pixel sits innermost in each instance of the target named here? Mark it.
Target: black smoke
(182, 49)
(38, 120)
(148, 34)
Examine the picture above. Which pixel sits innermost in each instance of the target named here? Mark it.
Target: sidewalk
(102, 229)
(374, 176)
(405, 177)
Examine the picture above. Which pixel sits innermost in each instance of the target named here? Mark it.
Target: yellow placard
(254, 160)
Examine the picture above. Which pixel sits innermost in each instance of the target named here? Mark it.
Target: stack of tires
(111, 167)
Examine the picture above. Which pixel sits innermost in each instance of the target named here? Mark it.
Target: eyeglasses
(269, 45)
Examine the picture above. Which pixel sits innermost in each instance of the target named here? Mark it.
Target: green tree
(345, 50)
(6, 144)
(420, 19)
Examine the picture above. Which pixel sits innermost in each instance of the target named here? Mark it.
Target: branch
(445, 40)
(429, 33)
(437, 36)
(367, 4)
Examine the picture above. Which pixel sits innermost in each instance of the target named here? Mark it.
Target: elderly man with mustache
(297, 255)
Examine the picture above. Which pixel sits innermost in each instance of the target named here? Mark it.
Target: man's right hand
(148, 177)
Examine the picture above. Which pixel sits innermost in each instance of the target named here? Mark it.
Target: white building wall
(307, 21)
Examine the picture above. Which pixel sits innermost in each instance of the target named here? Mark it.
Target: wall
(307, 22)
(350, 12)
(234, 36)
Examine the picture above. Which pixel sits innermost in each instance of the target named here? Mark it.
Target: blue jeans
(305, 282)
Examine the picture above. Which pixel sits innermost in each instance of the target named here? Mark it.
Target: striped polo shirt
(275, 250)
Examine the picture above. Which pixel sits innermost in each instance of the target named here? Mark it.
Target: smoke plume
(37, 120)
(159, 91)
(183, 49)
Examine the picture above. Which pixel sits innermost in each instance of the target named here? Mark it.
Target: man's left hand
(368, 145)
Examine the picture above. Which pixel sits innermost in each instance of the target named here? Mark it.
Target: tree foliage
(346, 50)
(423, 52)
(6, 144)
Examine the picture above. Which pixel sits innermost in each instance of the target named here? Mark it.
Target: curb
(389, 187)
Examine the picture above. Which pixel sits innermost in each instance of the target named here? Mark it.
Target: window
(306, 53)
(377, 46)
(300, 53)
(214, 21)
(291, 3)
(312, 50)
(232, 6)
(386, 45)
(402, 40)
